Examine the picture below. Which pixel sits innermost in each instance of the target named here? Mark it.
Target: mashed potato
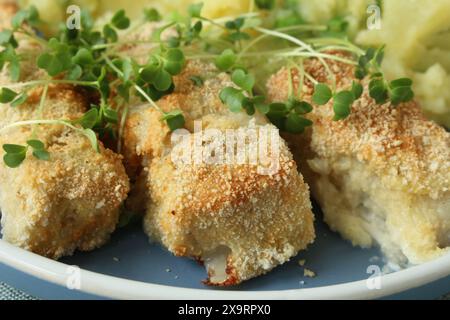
(417, 38)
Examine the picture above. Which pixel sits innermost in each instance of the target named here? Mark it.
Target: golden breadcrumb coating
(381, 175)
(71, 201)
(238, 222)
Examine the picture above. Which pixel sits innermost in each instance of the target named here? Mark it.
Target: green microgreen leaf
(57, 59)
(265, 4)
(152, 15)
(7, 95)
(296, 124)
(120, 20)
(41, 154)
(195, 10)
(299, 107)
(379, 56)
(402, 82)
(277, 114)
(89, 119)
(174, 119)
(401, 94)
(111, 115)
(39, 151)
(174, 61)
(50, 63)
(110, 33)
(337, 25)
(357, 90)
(20, 99)
(360, 73)
(226, 60)
(342, 102)
(126, 66)
(162, 80)
(92, 137)
(14, 148)
(13, 160)
(378, 91)
(75, 73)
(233, 98)
(248, 106)
(236, 24)
(322, 94)
(7, 37)
(260, 105)
(238, 36)
(149, 72)
(243, 80)
(83, 57)
(36, 144)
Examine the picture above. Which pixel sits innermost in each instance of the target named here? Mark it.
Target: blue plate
(129, 255)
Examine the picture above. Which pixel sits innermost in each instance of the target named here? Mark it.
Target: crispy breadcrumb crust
(407, 154)
(399, 144)
(263, 220)
(195, 209)
(71, 201)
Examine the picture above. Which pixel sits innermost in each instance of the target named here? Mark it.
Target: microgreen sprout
(91, 58)
(16, 154)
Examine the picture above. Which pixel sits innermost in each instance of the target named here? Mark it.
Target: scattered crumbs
(168, 270)
(302, 282)
(116, 259)
(302, 262)
(309, 273)
(176, 277)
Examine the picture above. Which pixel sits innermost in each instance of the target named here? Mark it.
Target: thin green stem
(303, 45)
(286, 29)
(42, 121)
(301, 75)
(48, 82)
(42, 102)
(310, 78)
(122, 127)
(336, 41)
(40, 110)
(316, 55)
(138, 88)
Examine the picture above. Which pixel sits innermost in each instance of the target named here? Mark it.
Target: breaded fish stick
(237, 221)
(381, 176)
(70, 201)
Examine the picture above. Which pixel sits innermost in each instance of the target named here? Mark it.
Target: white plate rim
(120, 288)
